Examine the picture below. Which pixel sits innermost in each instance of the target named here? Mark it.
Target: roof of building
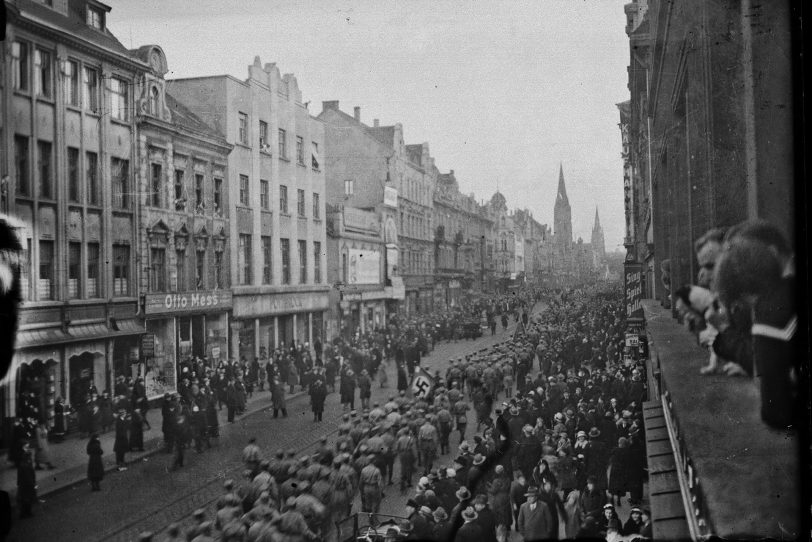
(384, 134)
(74, 23)
(415, 153)
(183, 117)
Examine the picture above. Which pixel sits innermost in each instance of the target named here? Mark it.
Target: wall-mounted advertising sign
(633, 283)
(213, 300)
(364, 267)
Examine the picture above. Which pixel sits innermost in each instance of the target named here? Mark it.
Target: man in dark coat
(122, 442)
(470, 530)
(26, 482)
(95, 467)
(318, 394)
(549, 496)
(485, 519)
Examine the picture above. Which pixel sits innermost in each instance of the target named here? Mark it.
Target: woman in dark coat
(122, 443)
(278, 398)
(619, 470)
(26, 482)
(95, 467)
(318, 394)
(403, 381)
(136, 431)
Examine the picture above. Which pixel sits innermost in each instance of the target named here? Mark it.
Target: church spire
(562, 189)
(597, 220)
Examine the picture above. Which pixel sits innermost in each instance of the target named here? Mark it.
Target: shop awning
(40, 337)
(88, 331)
(129, 326)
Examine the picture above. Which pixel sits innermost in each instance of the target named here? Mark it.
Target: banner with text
(633, 287)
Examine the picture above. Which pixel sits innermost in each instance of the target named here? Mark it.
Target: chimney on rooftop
(452, 172)
(376, 123)
(332, 104)
(357, 111)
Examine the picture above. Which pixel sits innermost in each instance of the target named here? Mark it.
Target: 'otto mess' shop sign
(633, 274)
(202, 301)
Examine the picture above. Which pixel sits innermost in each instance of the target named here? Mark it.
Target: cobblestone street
(149, 496)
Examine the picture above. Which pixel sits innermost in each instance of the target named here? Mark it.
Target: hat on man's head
(469, 514)
(479, 459)
(412, 503)
(463, 494)
(481, 499)
(532, 491)
(440, 514)
(594, 433)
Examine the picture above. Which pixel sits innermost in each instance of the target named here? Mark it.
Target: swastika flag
(422, 383)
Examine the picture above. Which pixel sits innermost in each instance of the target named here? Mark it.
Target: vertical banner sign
(633, 282)
(422, 384)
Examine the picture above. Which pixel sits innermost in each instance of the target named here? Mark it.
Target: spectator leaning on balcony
(755, 271)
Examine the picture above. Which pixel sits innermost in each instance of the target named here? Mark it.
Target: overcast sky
(502, 90)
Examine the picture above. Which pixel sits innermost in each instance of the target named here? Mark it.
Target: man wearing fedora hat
(470, 530)
(535, 520)
(485, 519)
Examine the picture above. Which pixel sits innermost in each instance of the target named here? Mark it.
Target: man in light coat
(535, 518)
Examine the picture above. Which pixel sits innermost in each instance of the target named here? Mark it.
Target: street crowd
(555, 442)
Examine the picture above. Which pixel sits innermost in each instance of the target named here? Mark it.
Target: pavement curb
(153, 446)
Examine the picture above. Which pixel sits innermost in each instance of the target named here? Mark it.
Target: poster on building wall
(633, 288)
(364, 267)
(157, 367)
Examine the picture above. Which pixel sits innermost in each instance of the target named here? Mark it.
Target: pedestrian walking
(122, 443)
(318, 394)
(43, 454)
(136, 431)
(26, 482)
(278, 398)
(95, 466)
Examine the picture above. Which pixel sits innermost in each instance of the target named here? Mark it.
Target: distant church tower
(598, 245)
(562, 214)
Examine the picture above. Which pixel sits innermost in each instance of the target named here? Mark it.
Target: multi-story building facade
(356, 261)
(460, 234)
(184, 231)
(535, 237)
(275, 198)
(68, 131)
(509, 249)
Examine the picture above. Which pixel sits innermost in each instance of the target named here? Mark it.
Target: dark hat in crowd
(594, 433)
(481, 499)
(412, 503)
(469, 514)
(532, 491)
(479, 459)
(440, 514)
(463, 494)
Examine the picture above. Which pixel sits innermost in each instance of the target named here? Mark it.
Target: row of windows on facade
(265, 198)
(245, 275)
(181, 198)
(416, 262)
(80, 82)
(415, 226)
(83, 179)
(201, 278)
(282, 147)
(84, 272)
(414, 192)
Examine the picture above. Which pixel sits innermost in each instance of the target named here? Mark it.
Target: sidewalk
(70, 456)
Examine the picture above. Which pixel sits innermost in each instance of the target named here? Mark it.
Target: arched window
(154, 101)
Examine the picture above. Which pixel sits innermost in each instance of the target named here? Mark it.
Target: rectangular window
(19, 55)
(314, 158)
(242, 136)
(316, 206)
(199, 203)
(218, 196)
(244, 259)
(90, 89)
(43, 72)
(71, 83)
(180, 191)
(317, 262)
(119, 99)
(93, 270)
(180, 266)
(121, 270)
(157, 275)
(283, 144)
(92, 178)
(266, 259)
(21, 165)
(300, 202)
(44, 159)
(25, 271)
(155, 185)
(95, 18)
(218, 270)
(344, 268)
(47, 271)
(299, 151)
(74, 270)
(74, 193)
(120, 176)
(263, 136)
(264, 197)
(244, 190)
(302, 262)
(283, 199)
(200, 270)
(349, 187)
(285, 248)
